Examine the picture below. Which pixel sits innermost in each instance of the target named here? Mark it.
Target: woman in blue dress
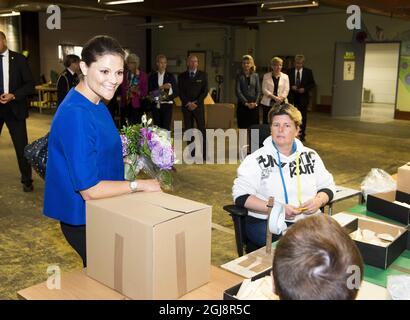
(84, 149)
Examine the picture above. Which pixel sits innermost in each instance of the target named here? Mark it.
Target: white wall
(78, 27)
(380, 71)
(315, 35)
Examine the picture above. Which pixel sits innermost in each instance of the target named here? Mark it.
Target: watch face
(134, 185)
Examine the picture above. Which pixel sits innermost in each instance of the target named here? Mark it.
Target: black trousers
(76, 237)
(199, 116)
(246, 117)
(162, 116)
(302, 107)
(133, 114)
(18, 133)
(265, 110)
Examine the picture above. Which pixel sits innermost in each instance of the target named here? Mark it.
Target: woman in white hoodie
(284, 169)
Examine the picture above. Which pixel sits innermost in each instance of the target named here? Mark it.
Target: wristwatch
(134, 186)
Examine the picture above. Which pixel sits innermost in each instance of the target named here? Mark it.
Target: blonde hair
(133, 58)
(250, 59)
(276, 60)
(286, 109)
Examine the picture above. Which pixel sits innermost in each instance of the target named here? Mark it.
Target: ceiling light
(110, 3)
(160, 26)
(291, 4)
(10, 14)
(275, 21)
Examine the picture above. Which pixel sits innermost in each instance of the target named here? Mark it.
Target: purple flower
(162, 157)
(124, 142)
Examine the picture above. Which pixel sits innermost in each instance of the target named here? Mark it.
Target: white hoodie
(259, 175)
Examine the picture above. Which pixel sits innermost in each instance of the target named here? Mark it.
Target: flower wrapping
(147, 148)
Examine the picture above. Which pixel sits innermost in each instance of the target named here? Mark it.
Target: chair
(239, 214)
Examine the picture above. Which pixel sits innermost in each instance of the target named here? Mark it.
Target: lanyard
(297, 174)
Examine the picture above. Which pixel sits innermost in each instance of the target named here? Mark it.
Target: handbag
(36, 154)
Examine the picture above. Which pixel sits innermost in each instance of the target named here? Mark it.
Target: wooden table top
(77, 285)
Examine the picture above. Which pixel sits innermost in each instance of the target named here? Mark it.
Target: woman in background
(275, 87)
(134, 89)
(248, 91)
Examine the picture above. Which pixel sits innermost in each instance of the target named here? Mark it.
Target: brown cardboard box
(149, 245)
(403, 178)
(220, 115)
(373, 254)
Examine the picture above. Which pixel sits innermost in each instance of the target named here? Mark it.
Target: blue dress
(84, 148)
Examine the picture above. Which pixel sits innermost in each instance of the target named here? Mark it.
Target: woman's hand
(311, 206)
(291, 212)
(149, 185)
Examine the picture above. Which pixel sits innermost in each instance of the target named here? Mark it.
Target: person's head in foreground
(317, 260)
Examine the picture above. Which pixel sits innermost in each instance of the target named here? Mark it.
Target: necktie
(298, 78)
(1, 75)
(192, 75)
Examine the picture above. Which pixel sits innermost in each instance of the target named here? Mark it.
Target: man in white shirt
(16, 83)
(163, 86)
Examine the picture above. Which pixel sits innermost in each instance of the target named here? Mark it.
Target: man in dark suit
(16, 83)
(193, 88)
(301, 82)
(163, 85)
(69, 77)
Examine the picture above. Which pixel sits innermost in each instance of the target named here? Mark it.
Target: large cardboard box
(403, 179)
(384, 204)
(220, 115)
(149, 245)
(380, 256)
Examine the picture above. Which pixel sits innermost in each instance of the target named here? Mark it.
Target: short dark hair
(71, 58)
(311, 261)
(100, 46)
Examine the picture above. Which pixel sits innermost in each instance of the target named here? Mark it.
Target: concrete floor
(30, 243)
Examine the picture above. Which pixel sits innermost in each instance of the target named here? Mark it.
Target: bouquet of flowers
(149, 149)
(158, 96)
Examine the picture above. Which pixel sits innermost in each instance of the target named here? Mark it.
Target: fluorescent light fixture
(10, 14)
(267, 19)
(291, 4)
(275, 21)
(110, 3)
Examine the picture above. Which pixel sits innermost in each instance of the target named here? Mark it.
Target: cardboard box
(368, 291)
(149, 245)
(403, 179)
(230, 294)
(383, 204)
(220, 115)
(376, 255)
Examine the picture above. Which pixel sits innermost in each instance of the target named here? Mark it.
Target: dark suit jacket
(21, 84)
(168, 78)
(65, 82)
(194, 90)
(307, 83)
(247, 93)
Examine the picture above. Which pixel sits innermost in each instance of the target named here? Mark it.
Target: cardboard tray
(383, 204)
(374, 255)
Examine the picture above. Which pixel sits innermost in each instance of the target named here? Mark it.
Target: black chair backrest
(257, 133)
